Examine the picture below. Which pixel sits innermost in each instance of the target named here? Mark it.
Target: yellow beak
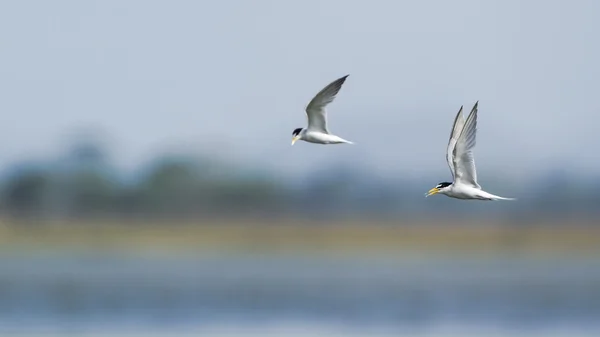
(294, 139)
(433, 191)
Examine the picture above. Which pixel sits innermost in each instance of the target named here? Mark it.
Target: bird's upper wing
(459, 122)
(316, 110)
(462, 157)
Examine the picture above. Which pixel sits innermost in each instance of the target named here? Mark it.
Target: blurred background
(148, 186)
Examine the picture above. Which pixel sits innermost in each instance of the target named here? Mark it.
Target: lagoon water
(209, 294)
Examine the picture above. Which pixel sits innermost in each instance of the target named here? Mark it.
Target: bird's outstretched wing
(462, 156)
(316, 110)
(459, 122)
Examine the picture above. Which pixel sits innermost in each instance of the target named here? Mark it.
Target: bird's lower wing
(459, 122)
(463, 159)
(316, 109)
(317, 120)
(465, 171)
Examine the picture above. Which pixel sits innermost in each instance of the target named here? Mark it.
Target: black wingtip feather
(337, 84)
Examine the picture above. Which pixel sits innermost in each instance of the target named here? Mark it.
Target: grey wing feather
(459, 122)
(316, 110)
(463, 159)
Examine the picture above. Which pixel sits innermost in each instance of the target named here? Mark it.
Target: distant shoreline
(282, 236)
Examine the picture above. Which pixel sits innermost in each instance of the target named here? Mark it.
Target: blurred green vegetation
(84, 184)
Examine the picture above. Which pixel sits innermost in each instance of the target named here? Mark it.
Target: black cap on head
(442, 185)
(296, 131)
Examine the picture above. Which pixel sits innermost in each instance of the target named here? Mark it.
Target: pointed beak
(294, 139)
(432, 191)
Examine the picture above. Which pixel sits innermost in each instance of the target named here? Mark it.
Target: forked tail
(489, 196)
(344, 141)
(502, 198)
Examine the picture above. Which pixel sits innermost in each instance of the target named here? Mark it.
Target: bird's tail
(490, 196)
(502, 198)
(495, 197)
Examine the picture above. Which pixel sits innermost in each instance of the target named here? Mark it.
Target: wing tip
(474, 110)
(337, 84)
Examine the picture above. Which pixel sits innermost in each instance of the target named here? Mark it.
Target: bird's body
(463, 191)
(461, 161)
(316, 112)
(322, 138)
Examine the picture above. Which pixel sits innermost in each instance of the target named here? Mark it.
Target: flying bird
(317, 131)
(462, 162)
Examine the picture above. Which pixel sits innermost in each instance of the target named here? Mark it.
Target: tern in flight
(462, 163)
(316, 131)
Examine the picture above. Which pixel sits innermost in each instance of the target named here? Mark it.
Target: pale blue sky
(235, 75)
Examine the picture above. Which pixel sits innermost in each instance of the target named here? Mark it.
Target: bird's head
(296, 135)
(439, 188)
